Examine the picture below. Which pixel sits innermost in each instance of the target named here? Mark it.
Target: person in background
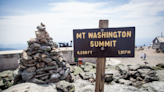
(145, 59)
(142, 55)
(80, 61)
(67, 45)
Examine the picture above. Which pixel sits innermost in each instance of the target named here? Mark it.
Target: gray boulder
(61, 59)
(45, 48)
(143, 72)
(111, 71)
(36, 45)
(1, 83)
(47, 53)
(72, 79)
(32, 87)
(82, 67)
(55, 52)
(145, 67)
(65, 86)
(160, 75)
(150, 79)
(25, 56)
(126, 82)
(88, 66)
(37, 56)
(34, 80)
(80, 84)
(120, 88)
(33, 40)
(61, 72)
(47, 68)
(7, 73)
(6, 79)
(87, 75)
(65, 74)
(78, 70)
(152, 73)
(133, 67)
(52, 63)
(55, 58)
(41, 75)
(134, 74)
(59, 69)
(55, 76)
(93, 71)
(77, 77)
(44, 77)
(30, 61)
(88, 63)
(108, 77)
(156, 86)
(47, 60)
(116, 77)
(31, 69)
(148, 75)
(29, 65)
(123, 70)
(44, 55)
(17, 75)
(55, 45)
(88, 88)
(27, 75)
(137, 84)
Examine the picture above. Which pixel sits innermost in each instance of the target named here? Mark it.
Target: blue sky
(19, 18)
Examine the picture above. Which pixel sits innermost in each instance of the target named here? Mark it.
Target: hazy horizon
(21, 46)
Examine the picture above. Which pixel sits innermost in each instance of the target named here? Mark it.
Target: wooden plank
(103, 23)
(100, 69)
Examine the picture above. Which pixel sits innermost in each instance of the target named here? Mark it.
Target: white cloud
(66, 16)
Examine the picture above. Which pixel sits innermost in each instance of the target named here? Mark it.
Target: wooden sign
(104, 42)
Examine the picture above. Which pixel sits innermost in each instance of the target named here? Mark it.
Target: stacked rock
(41, 62)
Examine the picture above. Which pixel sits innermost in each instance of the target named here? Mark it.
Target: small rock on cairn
(42, 62)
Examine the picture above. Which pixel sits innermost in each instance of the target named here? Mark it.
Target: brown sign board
(104, 42)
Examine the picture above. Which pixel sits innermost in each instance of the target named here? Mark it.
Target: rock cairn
(41, 62)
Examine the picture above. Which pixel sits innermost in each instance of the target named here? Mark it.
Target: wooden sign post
(100, 69)
(103, 42)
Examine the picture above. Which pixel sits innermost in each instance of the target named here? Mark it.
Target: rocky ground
(119, 78)
(42, 68)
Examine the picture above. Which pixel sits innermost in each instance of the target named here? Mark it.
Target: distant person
(67, 45)
(144, 56)
(80, 61)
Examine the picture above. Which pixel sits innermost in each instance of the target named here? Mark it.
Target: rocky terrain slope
(120, 78)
